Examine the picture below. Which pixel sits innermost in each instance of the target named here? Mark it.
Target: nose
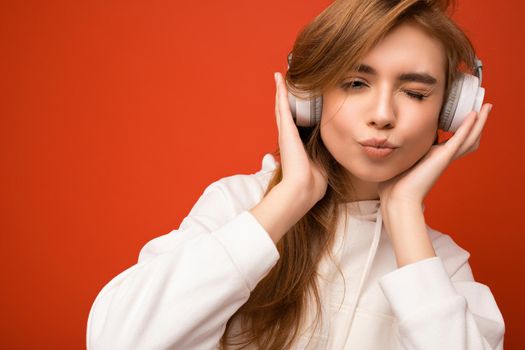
(382, 112)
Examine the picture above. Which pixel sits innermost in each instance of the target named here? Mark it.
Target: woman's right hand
(300, 173)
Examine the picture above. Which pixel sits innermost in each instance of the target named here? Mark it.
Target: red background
(115, 115)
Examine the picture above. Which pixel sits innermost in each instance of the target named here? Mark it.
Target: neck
(364, 190)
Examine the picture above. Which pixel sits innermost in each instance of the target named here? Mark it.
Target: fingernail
(276, 77)
(490, 108)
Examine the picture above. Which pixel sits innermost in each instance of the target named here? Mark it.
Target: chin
(373, 175)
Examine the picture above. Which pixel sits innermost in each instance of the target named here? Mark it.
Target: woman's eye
(354, 84)
(357, 84)
(415, 95)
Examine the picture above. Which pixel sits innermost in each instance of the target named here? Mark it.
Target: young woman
(327, 248)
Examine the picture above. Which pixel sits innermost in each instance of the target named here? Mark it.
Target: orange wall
(115, 115)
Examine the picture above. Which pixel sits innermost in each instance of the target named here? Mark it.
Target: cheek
(337, 128)
(331, 136)
(421, 134)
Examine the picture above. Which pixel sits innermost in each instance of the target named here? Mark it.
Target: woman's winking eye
(357, 84)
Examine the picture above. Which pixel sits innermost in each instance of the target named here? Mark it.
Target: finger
(454, 143)
(476, 144)
(472, 141)
(286, 118)
(277, 116)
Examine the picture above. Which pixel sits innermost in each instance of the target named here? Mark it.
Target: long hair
(327, 48)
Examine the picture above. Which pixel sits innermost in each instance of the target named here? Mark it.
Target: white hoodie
(189, 282)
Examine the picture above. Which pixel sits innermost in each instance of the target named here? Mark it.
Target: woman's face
(396, 95)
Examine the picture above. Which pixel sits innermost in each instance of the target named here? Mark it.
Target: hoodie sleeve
(187, 283)
(439, 305)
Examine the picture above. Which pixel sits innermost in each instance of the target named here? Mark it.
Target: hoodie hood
(363, 210)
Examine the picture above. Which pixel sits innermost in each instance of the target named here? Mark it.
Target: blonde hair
(323, 52)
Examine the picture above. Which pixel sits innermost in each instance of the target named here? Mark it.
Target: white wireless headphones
(466, 95)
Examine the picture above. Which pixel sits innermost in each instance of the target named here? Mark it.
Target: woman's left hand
(412, 185)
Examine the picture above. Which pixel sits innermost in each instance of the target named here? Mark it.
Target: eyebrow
(424, 78)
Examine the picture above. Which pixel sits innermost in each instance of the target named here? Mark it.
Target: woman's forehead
(405, 50)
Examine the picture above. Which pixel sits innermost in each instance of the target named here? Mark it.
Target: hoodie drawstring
(368, 266)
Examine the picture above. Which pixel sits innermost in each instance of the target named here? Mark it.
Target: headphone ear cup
(306, 110)
(447, 112)
(465, 95)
